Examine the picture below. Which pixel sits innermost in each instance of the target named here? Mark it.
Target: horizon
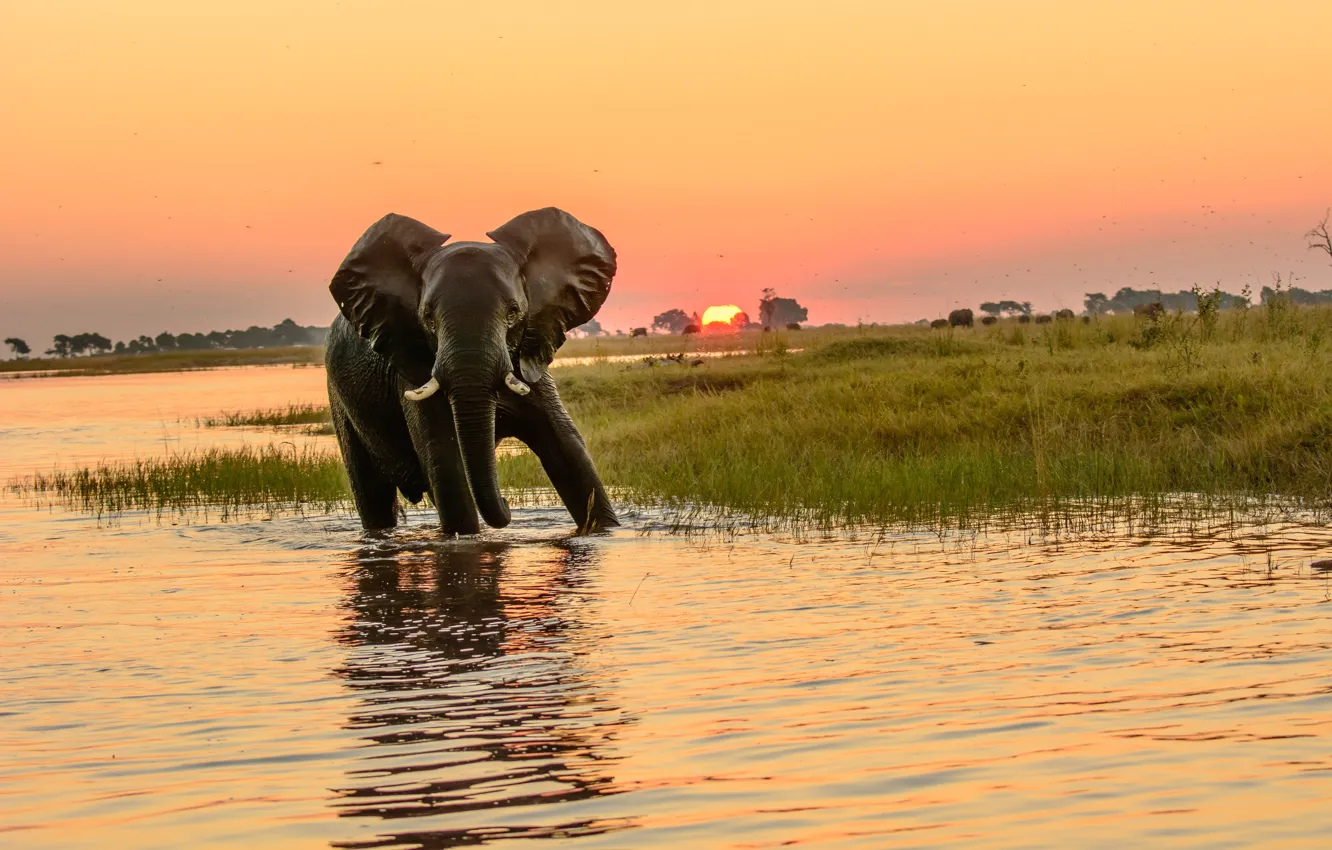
(187, 170)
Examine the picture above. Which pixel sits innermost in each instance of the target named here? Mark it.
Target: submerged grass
(898, 425)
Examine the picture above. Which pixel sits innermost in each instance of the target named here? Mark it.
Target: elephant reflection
(472, 700)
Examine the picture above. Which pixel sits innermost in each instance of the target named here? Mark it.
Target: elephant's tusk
(421, 394)
(512, 382)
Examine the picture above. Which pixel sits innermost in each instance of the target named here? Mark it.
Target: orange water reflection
(295, 683)
(473, 698)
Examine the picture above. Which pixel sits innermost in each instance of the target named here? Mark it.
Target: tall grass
(225, 482)
(880, 425)
(292, 414)
(926, 426)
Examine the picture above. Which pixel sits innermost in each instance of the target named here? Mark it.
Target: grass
(164, 361)
(911, 425)
(292, 414)
(231, 482)
(922, 426)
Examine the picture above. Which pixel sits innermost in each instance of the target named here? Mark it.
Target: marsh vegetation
(878, 424)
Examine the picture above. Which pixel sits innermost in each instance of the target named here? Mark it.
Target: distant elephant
(1043, 320)
(1064, 315)
(961, 318)
(1086, 320)
(638, 332)
(939, 323)
(1024, 319)
(1149, 311)
(691, 329)
(482, 322)
(989, 320)
(793, 326)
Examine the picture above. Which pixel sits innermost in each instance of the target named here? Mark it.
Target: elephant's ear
(567, 267)
(378, 289)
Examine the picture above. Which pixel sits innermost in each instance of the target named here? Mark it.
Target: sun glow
(722, 314)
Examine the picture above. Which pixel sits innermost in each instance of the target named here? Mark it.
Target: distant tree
(1096, 303)
(591, 327)
(1295, 295)
(740, 320)
(142, 345)
(775, 312)
(122, 349)
(59, 346)
(691, 328)
(1006, 308)
(18, 347)
(1319, 238)
(165, 341)
(89, 343)
(1128, 299)
(672, 321)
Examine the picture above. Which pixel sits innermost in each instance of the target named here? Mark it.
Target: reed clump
(292, 414)
(225, 482)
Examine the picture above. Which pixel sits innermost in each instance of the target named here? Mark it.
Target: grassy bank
(915, 425)
(919, 425)
(168, 361)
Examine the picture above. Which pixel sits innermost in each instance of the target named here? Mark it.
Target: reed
(225, 482)
(292, 414)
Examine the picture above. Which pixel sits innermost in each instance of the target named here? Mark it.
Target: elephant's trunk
(474, 417)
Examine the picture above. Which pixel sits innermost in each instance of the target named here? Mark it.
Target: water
(294, 682)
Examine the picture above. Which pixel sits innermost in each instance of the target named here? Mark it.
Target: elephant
(1152, 311)
(963, 318)
(691, 329)
(1024, 319)
(638, 332)
(989, 320)
(1064, 315)
(939, 323)
(1044, 319)
(439, 351)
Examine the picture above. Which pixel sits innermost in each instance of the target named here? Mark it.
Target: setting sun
(722, 314)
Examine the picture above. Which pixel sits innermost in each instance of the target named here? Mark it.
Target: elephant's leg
(375, 495)
(548, 431)
(435, 440)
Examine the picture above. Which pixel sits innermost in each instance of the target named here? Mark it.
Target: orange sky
(170, 166)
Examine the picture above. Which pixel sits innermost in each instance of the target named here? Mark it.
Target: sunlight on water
(295, 682)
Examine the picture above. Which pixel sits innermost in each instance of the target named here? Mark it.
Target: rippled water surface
(293, 682)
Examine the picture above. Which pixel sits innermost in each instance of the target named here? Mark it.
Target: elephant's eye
(513, 313)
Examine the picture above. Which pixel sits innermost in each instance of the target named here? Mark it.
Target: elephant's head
(474, 319)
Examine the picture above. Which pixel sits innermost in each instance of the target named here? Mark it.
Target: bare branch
(1319, 238)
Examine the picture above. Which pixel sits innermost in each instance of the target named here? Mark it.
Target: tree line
(285, 333)
(774, 312)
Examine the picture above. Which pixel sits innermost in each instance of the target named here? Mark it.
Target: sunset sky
(196, 166)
